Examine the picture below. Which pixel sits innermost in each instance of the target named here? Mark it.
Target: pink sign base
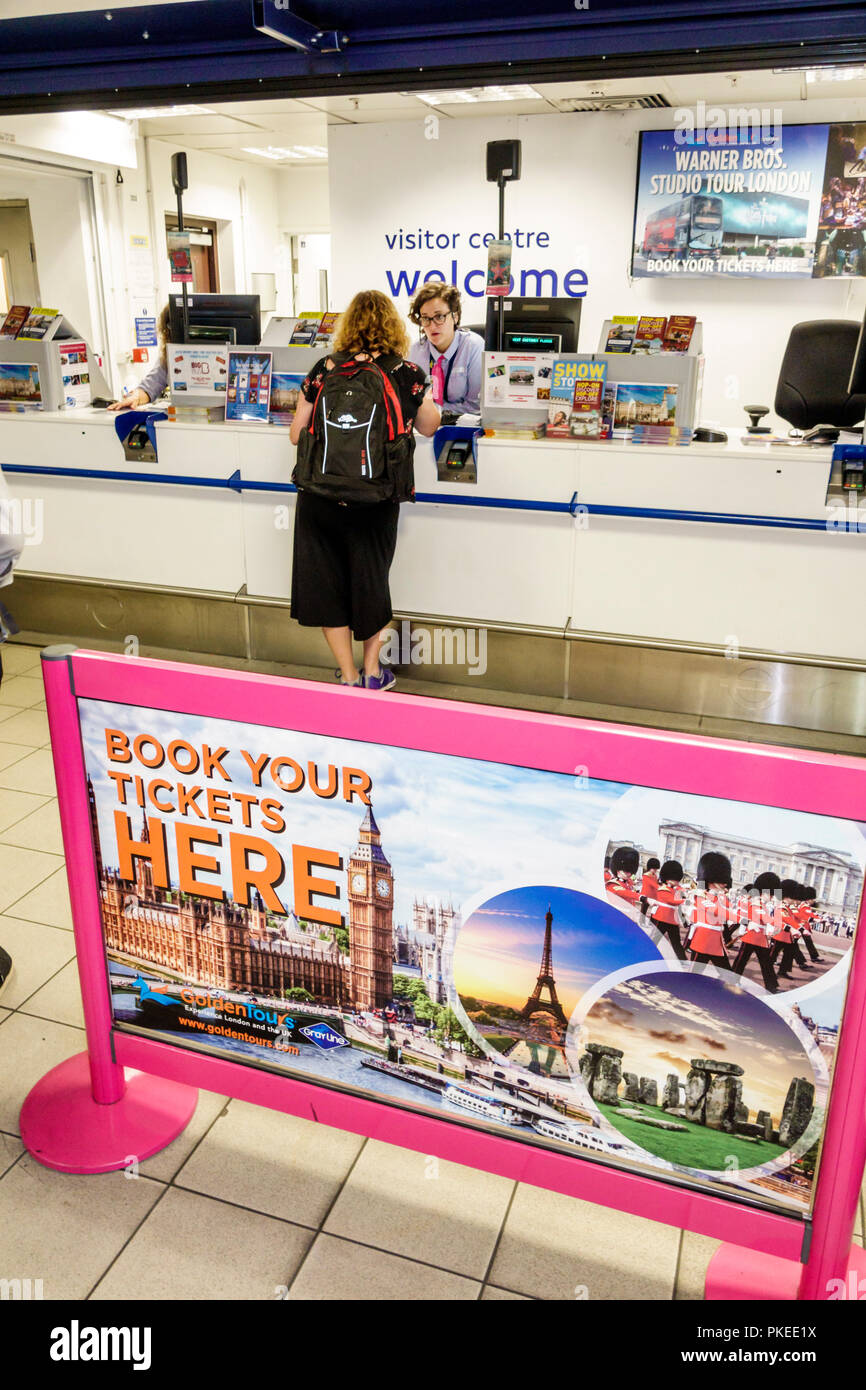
(64, 1128)
(736, 1273)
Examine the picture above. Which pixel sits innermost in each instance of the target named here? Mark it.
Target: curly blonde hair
(371, 323)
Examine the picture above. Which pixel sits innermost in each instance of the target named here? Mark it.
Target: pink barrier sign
(623, 964)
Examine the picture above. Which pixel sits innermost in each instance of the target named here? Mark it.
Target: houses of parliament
(246, 949)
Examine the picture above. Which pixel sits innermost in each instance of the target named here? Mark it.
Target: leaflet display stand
(45, 353)
(163, 1018)
(685, 370)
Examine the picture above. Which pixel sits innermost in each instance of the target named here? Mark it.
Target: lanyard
(449, 368)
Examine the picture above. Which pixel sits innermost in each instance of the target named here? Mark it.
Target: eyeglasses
(438, 319)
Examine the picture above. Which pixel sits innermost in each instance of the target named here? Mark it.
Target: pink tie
(438, 377)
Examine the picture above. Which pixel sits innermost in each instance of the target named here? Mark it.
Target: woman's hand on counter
(132, 401)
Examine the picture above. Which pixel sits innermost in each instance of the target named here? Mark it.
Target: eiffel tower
(535, 1004)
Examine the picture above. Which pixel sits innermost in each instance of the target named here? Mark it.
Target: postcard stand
(128, 1096)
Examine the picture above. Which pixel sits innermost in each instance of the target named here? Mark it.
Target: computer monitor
(217, 318)
(534, 325)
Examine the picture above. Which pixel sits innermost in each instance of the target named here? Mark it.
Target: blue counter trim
(235, 483)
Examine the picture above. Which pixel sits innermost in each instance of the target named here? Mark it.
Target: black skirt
(341, 559)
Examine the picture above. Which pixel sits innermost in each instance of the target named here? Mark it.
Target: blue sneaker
(384, 681)
(359, 681)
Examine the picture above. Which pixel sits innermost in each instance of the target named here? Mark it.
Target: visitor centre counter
(711, 551)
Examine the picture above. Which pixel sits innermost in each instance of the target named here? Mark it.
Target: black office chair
(813, 379)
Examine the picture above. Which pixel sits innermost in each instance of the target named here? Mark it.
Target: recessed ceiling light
(473, 94)
(152, 113)
(292, 152)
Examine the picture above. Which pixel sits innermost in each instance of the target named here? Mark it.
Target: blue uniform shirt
(462, 363)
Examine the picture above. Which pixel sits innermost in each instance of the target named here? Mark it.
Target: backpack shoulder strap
(387, 364)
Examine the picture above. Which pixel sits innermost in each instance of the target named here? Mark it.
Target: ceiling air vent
(620, 103)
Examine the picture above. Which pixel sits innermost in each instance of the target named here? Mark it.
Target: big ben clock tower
(371, 913)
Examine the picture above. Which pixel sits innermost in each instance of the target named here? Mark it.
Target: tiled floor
(247, 1203)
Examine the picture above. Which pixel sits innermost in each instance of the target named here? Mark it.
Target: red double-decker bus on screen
(690, 227)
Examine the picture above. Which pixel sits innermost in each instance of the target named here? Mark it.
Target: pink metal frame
(763, 1252)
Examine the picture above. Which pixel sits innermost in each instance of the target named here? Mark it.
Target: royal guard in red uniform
(664, 907)
(649, 883)
(806, 914)
(785, 930)
(753, 932)
(624, 864)
(711, 910)
(607, 873)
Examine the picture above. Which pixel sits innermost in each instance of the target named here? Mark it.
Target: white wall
(243, 196)
(578, 186)
(303, 196)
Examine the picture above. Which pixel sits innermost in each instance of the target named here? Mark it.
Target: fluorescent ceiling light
(844, 74)
(849, 74)
(471, 94)
(152, 113)
(294, 152)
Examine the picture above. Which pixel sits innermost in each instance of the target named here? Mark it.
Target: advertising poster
(19, 385)
(498, 268)
(644, 403)
(249, 386)
(180, 257)
(75, 372)
(729, 202)
(285, 394)
(840, 246)
(199, 370)
(578, 964)
(515, 378)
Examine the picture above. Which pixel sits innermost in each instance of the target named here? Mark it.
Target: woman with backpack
(353, 428)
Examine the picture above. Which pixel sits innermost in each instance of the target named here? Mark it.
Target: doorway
(19, 282)
(203, 251)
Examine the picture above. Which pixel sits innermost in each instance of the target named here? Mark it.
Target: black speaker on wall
(179, 176)
(503, 160)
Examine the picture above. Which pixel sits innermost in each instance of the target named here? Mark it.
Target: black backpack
(357, 447)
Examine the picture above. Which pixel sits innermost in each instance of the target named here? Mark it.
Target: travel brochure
(576, 390)
(649, 334)
(643, 403)
(75, 373)
(249, 385)
(306, 330)
(14, 321)
(285, 394)
(658, 987)
(40, 324)
(20, 387)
